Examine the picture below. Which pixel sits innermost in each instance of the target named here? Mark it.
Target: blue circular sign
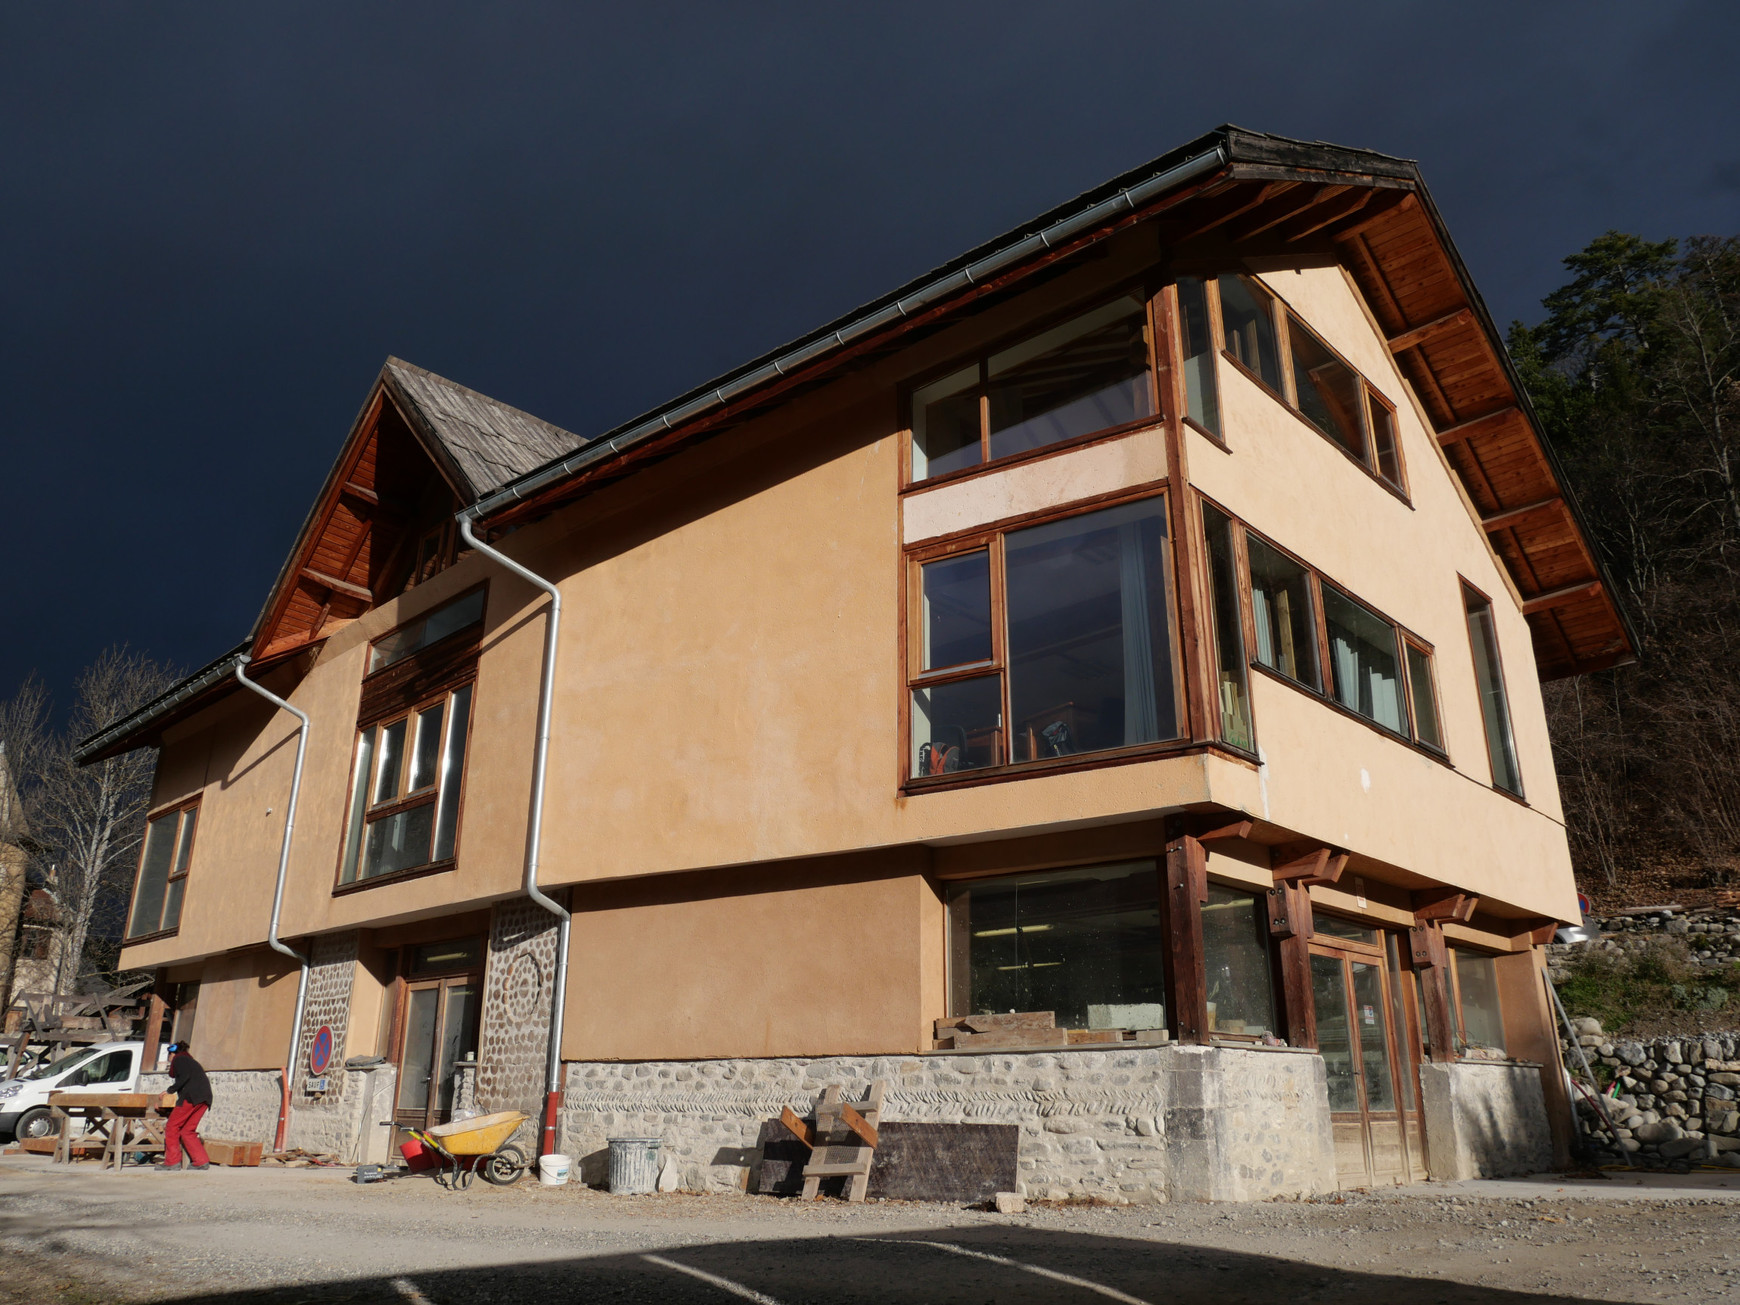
(320, 1050)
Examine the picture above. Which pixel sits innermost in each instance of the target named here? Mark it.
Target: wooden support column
(1185, 881)
(1432, 965)
(1290, 924)
(154, 1008)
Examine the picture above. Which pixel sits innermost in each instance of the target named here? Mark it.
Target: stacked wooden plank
(1029, 1030)
(842, 1143)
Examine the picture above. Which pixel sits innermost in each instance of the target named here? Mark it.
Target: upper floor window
(1044, 642)
(1091, 373)
(412, 725)
(1270, 342)
(163, 862)
(1304, 624)
(1494, 704)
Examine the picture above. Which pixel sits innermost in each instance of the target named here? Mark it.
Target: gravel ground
(275, 1237)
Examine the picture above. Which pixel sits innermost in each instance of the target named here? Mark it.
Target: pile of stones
(1677, 1103)
(1711, 934)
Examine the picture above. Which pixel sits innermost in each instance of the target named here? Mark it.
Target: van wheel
(36, 1123)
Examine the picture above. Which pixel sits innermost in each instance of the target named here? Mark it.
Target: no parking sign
(320, 1050)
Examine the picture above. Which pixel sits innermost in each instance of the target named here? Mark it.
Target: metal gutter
(812, 350)
(535, 830)
(272, 939)
(194, 685)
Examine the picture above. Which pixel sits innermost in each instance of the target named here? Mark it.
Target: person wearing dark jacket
(192, 1099)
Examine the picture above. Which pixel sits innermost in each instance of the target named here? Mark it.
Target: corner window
(1085, 944)
(1494, 703)
(1232, 674)
(1196, 348)
(1088, 374)
(1045, 642)
(1247, 323)
(163, 862)
(1479, 1021)
(404, 809)
(1235, 951)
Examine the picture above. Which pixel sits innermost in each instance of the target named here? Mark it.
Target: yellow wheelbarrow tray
(480, 1145)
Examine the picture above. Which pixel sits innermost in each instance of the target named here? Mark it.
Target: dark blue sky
(219, 219)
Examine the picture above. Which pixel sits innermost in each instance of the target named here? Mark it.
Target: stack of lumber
(1028, 1030)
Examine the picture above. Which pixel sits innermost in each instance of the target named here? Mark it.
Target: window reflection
(1328, 390)
(1083, 376)
(1363, 663)
(956, 620)
(1196, 347)
(1281, 604)
(1235, 949)
(957, 726)
(1248, 323)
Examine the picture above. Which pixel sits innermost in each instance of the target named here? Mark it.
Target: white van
(105, 1067)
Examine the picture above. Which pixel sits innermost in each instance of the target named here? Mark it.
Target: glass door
(1369, 1101)
(440, 1030)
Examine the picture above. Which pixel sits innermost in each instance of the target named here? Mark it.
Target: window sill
(1031, 455)
(1068, 765)
(1208, 435)
(1278, 397)
(397, 877)
(1413, 745)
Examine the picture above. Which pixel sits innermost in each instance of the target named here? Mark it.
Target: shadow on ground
(1015, 1266)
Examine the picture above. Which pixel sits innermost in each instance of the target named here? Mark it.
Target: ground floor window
(1235, 953)
(1085, 944)
(1479, 1022)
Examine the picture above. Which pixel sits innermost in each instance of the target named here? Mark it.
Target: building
(1138, 619)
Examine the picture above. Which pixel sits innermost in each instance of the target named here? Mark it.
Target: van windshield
(54, 1067)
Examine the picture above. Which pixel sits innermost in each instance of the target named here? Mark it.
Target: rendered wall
(247, 1001)
(1156, 1124)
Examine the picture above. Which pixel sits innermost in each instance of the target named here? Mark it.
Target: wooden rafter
(1559, 597)
(1488, 423)
(1548, 509)
(1415, 336)
(339, 586)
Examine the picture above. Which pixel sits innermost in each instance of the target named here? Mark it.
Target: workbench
(126, 1121)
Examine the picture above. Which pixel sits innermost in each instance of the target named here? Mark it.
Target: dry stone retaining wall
(1678, 1099)
(1154, 1124)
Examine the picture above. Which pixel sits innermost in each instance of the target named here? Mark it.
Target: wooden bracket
(1322, 865)
(1426, 944)
(1238, 829)
(1445, 904)
(1290, 911)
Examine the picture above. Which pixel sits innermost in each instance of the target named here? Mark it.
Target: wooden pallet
(843, 1142)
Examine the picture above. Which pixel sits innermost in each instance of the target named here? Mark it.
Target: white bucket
(553, 1169)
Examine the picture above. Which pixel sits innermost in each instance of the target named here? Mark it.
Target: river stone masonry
(1678, 1099)
(1125, 1126)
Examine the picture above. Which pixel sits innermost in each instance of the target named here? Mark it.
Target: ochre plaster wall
(786, 961)
(247, 1001)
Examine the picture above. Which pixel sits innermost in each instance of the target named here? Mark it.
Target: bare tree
(25, 743)
(94, 816)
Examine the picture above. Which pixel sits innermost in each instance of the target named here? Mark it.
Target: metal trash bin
(634, 1165)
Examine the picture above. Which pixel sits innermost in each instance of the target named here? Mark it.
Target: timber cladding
(422, 675)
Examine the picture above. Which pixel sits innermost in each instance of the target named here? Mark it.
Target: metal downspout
(535, 831)
(272, 939)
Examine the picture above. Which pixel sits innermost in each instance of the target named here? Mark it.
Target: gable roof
(1231, 193)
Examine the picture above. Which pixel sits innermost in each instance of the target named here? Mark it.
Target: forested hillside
(1635, 373)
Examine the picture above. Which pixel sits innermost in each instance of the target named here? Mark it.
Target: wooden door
(1371, 1106)
(437, 1028)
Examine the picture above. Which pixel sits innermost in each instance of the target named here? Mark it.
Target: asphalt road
(277, 1237)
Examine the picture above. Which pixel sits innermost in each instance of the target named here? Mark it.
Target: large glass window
(431, 628)
(1479, 1021)
(1235, 950)
(1232, 672)
(1494, 704)
(1088, 374)
(1196, 347)
(1079, 657)
(163, 862)
(1247, 317)
(1281, 607)
(404, 809)
(1364, 666)
(1085, 944)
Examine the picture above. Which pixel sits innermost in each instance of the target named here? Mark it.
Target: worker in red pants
(192, 1099)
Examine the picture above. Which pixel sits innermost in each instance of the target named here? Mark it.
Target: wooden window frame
(1315, 580)
(1504, 683)
(1143, 288)
(175, 858)
(1454, 977)
(991, 538)
(1284, 315)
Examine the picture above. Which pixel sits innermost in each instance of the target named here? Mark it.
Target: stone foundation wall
(1485, 1119)
(1154, 1124)
(244, 1103)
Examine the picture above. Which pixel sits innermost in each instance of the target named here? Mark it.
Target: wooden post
(1432, 963)
(154, 1008)
(1186, 888)
(1290, 923)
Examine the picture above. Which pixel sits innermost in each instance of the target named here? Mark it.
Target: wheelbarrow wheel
(503, 1165)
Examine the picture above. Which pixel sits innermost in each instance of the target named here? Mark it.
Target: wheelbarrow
(468, 1147)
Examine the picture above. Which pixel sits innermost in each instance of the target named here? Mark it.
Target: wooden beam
(1290, 922)
(336, 585)
(1547, 507)
(1329, 214)
(1485, 424)
(865, 1130)
(1559, 597)
(1444, 904)
(1406, 204)
(797, 1127)
(1415, 336)
(1184, 879)
(1230, 209)
(1284, 209)
(1432, 969)
(1309, 866)
(1239, 829)
(358, 491)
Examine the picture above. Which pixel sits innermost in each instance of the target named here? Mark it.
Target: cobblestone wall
(1678, 1099)
(515, 1028)
(331, 971)
(244, 1103)
(1154, 1124)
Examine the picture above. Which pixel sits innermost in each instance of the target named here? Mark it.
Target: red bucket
(417, 1156)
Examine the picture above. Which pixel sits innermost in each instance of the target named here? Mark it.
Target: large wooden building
(1139, 619)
